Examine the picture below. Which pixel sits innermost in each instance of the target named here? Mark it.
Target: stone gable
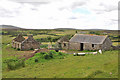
(25, 43)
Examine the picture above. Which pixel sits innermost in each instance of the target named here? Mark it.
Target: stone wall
(30, 43)
(25, 44)
(106, 44)
(64, 45)
(19, 38)
(16, 44)
(88, 46)
(75, 46)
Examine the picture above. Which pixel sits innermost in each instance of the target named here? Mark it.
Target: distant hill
(9, 27)
(65, 28)
(77, 29)
(15, 27)
(94, 29)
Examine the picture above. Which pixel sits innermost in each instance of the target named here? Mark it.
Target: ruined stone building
(85, 42)
(25, 43)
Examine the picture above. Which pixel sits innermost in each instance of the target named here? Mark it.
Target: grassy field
(90, 66)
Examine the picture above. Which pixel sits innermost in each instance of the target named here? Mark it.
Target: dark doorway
(81, 46)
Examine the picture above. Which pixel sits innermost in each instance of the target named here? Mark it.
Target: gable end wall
(106, 44)
(30, 43)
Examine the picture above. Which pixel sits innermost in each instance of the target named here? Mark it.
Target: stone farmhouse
(85, 42)
(25, 43)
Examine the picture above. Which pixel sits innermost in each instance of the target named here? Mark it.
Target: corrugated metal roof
(86, 38)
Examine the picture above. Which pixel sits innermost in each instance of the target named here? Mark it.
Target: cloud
(77, 4)
(49, 14)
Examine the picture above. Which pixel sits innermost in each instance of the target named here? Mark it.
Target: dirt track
(31, 53)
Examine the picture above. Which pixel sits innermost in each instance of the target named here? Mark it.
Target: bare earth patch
(28, 54)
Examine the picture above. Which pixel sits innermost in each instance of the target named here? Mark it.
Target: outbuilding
(25, 43)
(88, 42)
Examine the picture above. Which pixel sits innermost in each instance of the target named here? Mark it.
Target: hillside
(9, 27)
(89, 66)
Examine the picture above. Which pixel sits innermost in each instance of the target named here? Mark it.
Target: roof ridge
(91, 34)
(96, 39)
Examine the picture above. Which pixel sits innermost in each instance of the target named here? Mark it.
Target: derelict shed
(63, 42)
(89, 42)
(25, 43)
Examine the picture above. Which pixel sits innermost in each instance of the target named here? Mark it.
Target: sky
(50, 14)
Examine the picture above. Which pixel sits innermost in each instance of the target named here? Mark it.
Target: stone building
(86, 42)
(25, 43)
(62, 43)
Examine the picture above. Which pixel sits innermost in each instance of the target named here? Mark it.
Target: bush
(18, 49)
(56, 50)
(36, 60)
(46, 56)
(13, 64)
(50, 55)
(60, 53)
(37, 54)
(53, 52)
(43, 52)
(14, 48)
(31, 49)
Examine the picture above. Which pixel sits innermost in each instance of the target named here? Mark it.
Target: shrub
(18, 49)
(31, 49)
(36, 60)
(14, 48)
(43, 52)
(56, 50)
(13, 64)
(37, 54)
(50, 55)
(46, 56)
(60, 53)
(53, 52)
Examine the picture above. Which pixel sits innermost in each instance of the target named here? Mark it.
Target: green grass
(7, 53)
(48, 43)
(89, 66)
(95, 66)
(40, 57)
(41, 36)
(6, 39)
(116, 43)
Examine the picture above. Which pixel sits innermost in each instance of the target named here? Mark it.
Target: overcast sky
(50, 14)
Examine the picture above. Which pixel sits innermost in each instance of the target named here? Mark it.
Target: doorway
(81, 46)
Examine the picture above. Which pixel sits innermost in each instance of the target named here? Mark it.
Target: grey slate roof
(83, 38)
